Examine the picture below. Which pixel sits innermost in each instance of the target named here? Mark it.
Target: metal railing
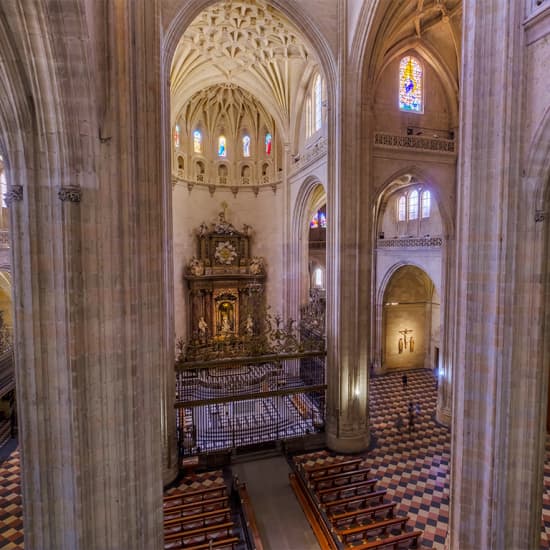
(7, 371)
(236, 403)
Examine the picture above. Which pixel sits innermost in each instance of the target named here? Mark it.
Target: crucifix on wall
(405, 342)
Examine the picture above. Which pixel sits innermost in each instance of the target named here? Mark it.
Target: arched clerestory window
(425, 204)
(246, 146)
(401, 209)
(413, 205)
(318, 279)
(318, 102)
(411, 85)
(222, 148)
(197, 141)
(177, 133)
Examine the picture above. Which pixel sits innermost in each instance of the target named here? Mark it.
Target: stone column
(447, 311)
(348, 264)
(494, 467)
(87, 249)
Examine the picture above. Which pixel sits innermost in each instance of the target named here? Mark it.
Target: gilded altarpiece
(226, 284)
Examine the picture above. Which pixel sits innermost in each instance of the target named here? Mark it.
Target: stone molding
(540, 216)
(70, 194)
(213, 187)
(308, 157)
(432, 144)
(423, 242)
(14, 193)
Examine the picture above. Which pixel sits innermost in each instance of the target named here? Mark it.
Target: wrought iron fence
(235, 403)
(7, 371)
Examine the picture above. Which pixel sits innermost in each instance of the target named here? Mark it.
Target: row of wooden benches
(199, 519)
(354, 507)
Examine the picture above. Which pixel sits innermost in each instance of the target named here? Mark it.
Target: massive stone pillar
(86, 212)
(496, 469)
(348, 265)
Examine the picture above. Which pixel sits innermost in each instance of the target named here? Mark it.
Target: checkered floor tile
(11, 516)
(196, 481)
(412, 463)
(413, 466)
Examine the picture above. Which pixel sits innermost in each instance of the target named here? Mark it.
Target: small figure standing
(249, 325)
(226, 328)
(203, 229)
(399, 423)
(203, 327)
(404, 380)
(411, 417)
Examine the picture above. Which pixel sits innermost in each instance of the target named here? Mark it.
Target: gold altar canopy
(226, 284)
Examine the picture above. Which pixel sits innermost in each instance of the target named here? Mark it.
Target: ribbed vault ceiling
(247, 44)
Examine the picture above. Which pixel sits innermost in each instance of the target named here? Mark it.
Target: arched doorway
(410, 320)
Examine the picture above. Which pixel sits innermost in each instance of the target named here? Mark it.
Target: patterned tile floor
(413, 466)
(11, 516)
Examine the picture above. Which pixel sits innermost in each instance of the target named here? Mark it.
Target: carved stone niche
(226, 284)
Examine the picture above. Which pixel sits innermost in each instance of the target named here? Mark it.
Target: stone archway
(409, 333)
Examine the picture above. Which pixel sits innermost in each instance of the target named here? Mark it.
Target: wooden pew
(205, 519)
(201, 535)
(182, 510)
(352, 503)
(360, 532)
(342, 478)
(331, 468)
(187, 497)
(356, 489)
(392, 541)
(356, 516)
(222, 544)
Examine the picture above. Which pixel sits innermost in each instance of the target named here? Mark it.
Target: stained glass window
(322, 220)
(314, 223)
(222, 150)
(318, 98)
(309, 125)
(246, 146)
(197, 141)
(413, 205)
(426, 204)
(410, 85)
(177, 136)
(268, 144)
(401, 209)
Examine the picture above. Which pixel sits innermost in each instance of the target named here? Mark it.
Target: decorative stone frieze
(424, 242)
(308, 157)
(438, 145)
(70, 194)
(14, 193)
(234, 188)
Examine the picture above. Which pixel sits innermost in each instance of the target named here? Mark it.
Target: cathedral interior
(274, 274)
